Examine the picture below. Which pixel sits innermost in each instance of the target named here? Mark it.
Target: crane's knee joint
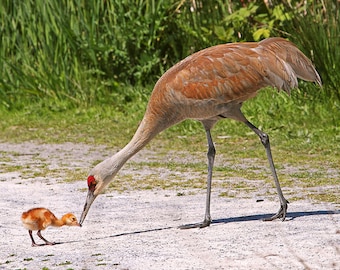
(264, 139)
(211, 152)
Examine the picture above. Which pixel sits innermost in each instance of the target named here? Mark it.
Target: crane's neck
(108, 168)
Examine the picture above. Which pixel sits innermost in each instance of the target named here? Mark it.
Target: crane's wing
(217, 80)
(236, 71)
(290, 54)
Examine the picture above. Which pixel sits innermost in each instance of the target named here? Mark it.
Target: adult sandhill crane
(38, 219)
(208, 86)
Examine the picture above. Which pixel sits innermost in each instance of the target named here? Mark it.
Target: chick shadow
(44, 245)
(59, 243)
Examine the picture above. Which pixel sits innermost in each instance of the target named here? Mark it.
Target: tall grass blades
(38, 52)
(81, 50)
(316, 28)
(86, 51)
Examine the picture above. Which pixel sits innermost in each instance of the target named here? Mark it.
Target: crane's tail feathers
(295, 63)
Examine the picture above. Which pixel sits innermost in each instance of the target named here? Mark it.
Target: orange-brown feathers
(40, 218)
(229, 73)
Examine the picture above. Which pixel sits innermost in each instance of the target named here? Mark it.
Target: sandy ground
(138, 229)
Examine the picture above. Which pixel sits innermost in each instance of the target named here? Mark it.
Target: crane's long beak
(89, 200)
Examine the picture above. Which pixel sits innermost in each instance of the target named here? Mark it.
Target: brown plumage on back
(208, 86)
(230, 73)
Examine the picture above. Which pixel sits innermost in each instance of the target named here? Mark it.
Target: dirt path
(138, 229)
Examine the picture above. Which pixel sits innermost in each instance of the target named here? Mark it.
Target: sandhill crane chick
(38, 219)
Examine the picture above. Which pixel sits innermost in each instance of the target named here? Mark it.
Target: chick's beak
(89, 200)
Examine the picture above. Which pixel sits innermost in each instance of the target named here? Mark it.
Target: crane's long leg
(211, 157)
(284, 203)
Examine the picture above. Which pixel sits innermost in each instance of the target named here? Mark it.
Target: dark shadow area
(65, 242)
(290, 216)
(42, 245)
(143, 231)
(116, 235)
(134, 233)
(54, 244)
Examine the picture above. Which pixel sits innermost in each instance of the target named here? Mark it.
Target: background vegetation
(84, 52)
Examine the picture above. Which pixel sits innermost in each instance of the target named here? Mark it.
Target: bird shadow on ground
(143, 231)
(54, 244)
(134, 233)
(61, 243)
(114, 235)
(290, 216)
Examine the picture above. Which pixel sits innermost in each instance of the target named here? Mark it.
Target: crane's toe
(200, 225)
(281, 214)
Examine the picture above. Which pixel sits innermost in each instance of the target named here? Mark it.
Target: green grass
(84, 52)
(321, 19)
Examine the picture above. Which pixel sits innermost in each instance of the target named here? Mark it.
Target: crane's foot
(203, 224)
(281, 214)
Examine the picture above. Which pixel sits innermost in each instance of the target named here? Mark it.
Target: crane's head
(99, 177)
(95, 187)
